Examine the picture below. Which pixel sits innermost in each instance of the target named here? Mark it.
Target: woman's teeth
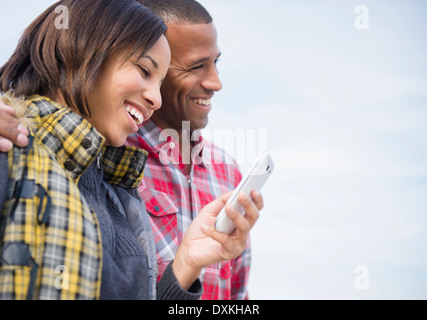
(203, 102)
(139, 118)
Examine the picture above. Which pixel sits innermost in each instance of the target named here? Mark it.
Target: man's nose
(212, 81)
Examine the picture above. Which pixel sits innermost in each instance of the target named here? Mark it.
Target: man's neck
(184, 139)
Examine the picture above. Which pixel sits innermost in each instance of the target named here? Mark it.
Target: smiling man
(176, 190)
(192, 78)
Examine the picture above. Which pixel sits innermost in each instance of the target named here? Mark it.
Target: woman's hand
(203, 246)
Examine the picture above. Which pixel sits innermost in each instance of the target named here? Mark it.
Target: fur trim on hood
(20, 106)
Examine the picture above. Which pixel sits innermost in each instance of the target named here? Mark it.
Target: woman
(71, 223)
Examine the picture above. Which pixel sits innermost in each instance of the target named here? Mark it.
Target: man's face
(192, 78)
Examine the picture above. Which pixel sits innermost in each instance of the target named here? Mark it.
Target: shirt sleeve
(168, 287)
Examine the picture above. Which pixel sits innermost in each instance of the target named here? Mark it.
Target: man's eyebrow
(155, 64)
(192, 64)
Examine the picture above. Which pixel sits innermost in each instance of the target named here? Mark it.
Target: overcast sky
(336, 92)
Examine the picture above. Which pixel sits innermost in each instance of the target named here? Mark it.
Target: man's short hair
(179, 11)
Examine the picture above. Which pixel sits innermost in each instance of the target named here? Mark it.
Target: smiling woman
(66, 76)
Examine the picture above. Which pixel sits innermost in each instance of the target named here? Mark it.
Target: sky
(336, 91)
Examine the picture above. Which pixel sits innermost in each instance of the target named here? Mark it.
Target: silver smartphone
(254, 180)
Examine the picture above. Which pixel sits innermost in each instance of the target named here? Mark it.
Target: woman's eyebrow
(155, 64)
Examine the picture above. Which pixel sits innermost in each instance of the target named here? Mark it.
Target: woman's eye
(144, 71)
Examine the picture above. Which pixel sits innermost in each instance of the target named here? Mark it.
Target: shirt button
(70, 164)
(86, 143)
(156, 208)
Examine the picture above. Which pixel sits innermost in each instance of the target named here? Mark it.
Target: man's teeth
(204, 102)
(136, 114)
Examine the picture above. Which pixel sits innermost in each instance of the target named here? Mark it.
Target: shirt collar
(75, 143)
(124, 166)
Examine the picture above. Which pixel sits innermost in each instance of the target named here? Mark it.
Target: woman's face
(127, 92)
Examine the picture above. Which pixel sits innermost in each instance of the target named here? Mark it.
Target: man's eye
(197, 67)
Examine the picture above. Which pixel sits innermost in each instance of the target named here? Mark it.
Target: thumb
(211, 232)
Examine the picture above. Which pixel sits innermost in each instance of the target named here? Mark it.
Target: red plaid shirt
(173, 198)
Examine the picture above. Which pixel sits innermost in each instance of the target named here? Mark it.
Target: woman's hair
(52, 57)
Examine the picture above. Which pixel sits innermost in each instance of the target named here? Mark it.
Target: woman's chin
(115, 142)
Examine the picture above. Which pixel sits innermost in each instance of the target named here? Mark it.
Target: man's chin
(199, 124)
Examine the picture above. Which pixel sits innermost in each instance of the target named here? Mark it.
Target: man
(184, 172)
